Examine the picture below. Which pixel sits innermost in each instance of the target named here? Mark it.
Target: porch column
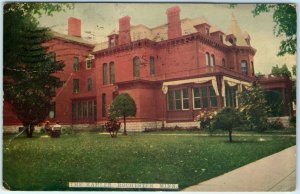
(284, 101)
(220, 98)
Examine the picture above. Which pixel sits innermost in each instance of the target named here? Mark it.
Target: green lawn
(49, 164)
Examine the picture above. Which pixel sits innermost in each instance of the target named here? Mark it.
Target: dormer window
(231, 38)
(113, 38)
(112, 43)
(89, 61)
(207, 31)
(221, 38)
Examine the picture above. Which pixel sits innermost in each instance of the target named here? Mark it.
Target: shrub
(275, 125)
(254, 108)
(112, 126)
(205, 119)
(67, 131)
(226, 119)
(42, 130)
(98, 129)
(293, 121)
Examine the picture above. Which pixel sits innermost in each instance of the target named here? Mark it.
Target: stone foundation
(183, 124)
(284, 120)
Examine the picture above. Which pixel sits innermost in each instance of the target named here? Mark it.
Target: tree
(294, 88)
(29, 83)
(253, 107)
(123, 106)
(294, 70)
(226, 119)
(285, 18)
(259, 74)
(281, 71)
(113, 124)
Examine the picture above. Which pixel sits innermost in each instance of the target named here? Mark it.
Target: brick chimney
(174, 24)
(124, 30)
(74, 27)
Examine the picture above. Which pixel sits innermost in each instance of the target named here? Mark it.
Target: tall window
(104, 73)
(90, 109)
(73, 111)
(177, 100)
(84, 109)
(197, 98)
(112, 72)
(213, 97)
(152, 70)
(170, 100)
(204, 97)
(244, 67)
(221, 38)
(207, 59)
(90, 84)
(185, 99)
(103, 105)
(212, 60)
(95, 110)
(79, 110)
(230, 95)
(223, 62)
(75, 85)
(136, 67)
(75, 63)
(252, 68)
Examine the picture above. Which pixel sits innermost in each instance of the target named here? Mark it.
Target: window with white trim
(204, 97)
(185, 99)
(212, 62)
(244, 67)
(177, 100)
(197, 99)
(170, 100)
(207, 59)
(89, 63)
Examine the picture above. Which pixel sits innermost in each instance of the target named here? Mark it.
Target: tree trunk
(125, 132)
(29, 130)
(230, 135)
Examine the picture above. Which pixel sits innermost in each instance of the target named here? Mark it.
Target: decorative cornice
(171, 42)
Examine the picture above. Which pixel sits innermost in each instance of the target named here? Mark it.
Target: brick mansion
(172, 72)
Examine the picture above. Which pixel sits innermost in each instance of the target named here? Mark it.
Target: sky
(99, 19)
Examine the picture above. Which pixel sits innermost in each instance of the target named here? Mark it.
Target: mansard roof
(235, 29)
(74, 39)
(160, 33)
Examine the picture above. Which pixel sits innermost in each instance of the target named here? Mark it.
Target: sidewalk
(273, 173)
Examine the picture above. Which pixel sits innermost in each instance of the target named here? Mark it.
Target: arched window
(207, 59)
(111, 72)
(136, 67)
(244, 67)
(223, 62)
(104, 73)
(212, 60)
(152, 69)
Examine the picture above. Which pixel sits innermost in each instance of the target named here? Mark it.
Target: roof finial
(233, 16)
